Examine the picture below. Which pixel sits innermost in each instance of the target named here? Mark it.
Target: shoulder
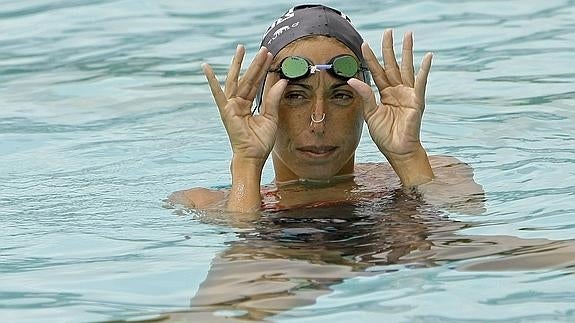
(450, 168)
(200, 198)
(453, 187)
(442, 165)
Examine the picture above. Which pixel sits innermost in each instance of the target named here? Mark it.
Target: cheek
(291, 121)
(351, 119)
(357, 115)
(353, 127)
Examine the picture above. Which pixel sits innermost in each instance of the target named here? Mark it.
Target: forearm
(245, 193)
(413, 169)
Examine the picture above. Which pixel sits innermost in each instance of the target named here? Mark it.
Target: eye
(342, 97)
(295, 98)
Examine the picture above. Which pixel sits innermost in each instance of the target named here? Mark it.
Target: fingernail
(205, 67)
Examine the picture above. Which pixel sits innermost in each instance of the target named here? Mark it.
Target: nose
(318, 116)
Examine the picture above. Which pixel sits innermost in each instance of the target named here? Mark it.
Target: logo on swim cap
(280, 31)
(286, 16)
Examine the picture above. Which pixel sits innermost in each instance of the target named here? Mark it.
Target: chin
(310, 169)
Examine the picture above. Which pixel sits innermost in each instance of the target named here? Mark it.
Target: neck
(316, 183)
(285, 175)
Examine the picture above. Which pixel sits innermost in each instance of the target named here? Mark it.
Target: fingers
(366, 94)
(249, 82)
(260, 77)
(390, 64)
(377, 72)
(234, 72)
(407, 71)
(245, 87)
(273, 98)
(215, 87)
(421, 80)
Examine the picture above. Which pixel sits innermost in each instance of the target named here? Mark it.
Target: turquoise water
(104, 112)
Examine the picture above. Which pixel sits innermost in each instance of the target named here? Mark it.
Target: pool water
(104, 112)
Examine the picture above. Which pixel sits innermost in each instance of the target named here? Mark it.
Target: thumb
(272, 100)
(364, 90)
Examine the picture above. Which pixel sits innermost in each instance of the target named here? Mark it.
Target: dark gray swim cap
(307, 20)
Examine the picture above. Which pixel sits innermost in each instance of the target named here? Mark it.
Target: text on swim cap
(281, 30)
(283, 18)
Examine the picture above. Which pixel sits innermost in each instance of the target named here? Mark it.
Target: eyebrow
(309, 87)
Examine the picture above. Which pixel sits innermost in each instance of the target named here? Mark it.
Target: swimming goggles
(297, 67)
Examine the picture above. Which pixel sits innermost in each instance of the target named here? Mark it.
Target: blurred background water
(104, 112)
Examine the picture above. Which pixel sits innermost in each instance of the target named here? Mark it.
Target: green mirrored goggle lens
(345, 66)
(294, 67)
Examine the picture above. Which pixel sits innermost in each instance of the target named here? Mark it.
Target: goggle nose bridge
(319, 67)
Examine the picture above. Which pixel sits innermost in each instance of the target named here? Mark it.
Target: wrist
(245, 192)
(246, 163)
(412, 168)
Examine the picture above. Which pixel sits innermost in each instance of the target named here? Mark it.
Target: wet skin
(325, 149)
(316, 150)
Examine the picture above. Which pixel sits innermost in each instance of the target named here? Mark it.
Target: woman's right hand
(251, 136)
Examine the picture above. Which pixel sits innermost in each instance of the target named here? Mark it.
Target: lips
(317, 151)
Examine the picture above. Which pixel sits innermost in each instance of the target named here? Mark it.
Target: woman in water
(311, 83)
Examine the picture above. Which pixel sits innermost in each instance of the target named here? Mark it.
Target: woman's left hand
(394, 123)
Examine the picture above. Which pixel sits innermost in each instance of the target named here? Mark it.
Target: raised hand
(251, 136)
(394, 123)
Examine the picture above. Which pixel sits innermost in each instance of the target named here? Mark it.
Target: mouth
(317, 151)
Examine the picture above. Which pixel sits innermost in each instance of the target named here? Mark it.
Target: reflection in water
(289, 258)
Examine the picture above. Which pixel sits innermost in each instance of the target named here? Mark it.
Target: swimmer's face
(316, 150)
